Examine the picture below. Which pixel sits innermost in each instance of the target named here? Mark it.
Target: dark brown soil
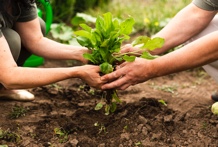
(63, 115)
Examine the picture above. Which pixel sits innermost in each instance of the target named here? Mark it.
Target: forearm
(53, 50)
(187, 23)
(21, 78)
(195, 54)
(34, 41)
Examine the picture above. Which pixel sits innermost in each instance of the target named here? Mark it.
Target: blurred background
(150, 15)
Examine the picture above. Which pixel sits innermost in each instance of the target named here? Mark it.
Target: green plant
(17, 112)
(9, 136)
(63, 11)
(102, 128)
(3, 146)
(166, 88)
(162, 102)
(104, 41)
(82, 18)
(61, 32)
(138, 144)
(62, 134)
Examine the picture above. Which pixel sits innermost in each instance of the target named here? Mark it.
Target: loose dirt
(63, 115)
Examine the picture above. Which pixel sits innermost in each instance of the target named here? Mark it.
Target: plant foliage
(105, 42)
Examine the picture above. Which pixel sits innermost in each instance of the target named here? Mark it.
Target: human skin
(14, 77)
(186, 24)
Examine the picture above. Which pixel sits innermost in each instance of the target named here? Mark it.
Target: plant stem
(108, 96)
(135, 53)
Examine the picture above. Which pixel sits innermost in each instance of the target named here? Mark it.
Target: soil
(63, 115)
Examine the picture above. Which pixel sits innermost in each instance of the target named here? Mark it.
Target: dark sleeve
(209, 5)
(1, 23)
(0, 32)
(27, 14)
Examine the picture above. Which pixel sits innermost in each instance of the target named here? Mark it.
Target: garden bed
(63, 115)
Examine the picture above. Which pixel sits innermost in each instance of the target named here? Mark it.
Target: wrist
(78, 53)
(76, 72)
(153, 71)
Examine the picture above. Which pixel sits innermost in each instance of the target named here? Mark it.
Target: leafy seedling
(104, 41)
(162, 102)
(18, 111)
(62, 134)
(102, 128)
(9, 136)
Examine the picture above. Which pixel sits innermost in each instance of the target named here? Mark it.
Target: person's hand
(127, 74)
(78, 53)
(135, 50)
(90, 74)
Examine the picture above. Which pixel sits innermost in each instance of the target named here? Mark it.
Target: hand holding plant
(104, 41)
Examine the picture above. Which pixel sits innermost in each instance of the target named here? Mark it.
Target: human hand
(90, 74)
(127, 74)
(79, 54)
(128, 48)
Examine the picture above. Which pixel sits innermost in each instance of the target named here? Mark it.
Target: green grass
(150, 15)
(18, 111)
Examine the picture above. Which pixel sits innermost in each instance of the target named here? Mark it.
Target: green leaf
(107, 109)
(115, 97)
(99, 106)
(104, 53)
(75, 21)
(83, 33)
(129, 58)
(162, 102)
(106, 68)
(127, 26)
(147, 55)
(84, 41)
(97, 37)
(105, 43)
(140, 40)
(116, 23)
(108, 21)
(86, 17)
(100, 25)
(90, 57)
(154, 43)
(86, 27)
(116, 47)
(113, 107)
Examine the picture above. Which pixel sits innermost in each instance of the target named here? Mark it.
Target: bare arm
(14, 77)
(188, 22)
(33, 39)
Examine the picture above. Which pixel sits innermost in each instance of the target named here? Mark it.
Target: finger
(96, 68)
(111, 76)
(112, 85)
(120, 66)
(125, 86)
(123, 64)
(117, 84)
(126, 46)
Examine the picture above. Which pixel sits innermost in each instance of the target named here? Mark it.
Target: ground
(63, 115)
